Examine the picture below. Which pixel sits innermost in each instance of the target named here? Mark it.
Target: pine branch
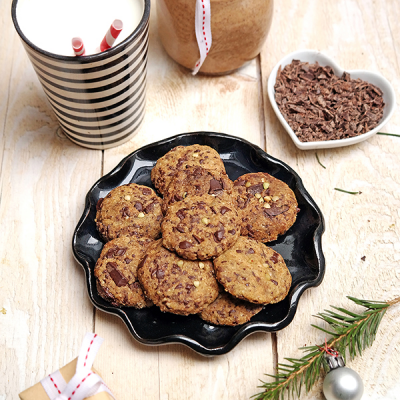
(351, 332)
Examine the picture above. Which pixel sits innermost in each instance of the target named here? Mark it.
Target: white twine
(85, 382)
(203, 31)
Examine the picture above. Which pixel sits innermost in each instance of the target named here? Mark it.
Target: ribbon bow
(85, 382)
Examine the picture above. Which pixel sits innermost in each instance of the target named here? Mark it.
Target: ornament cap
(334, 361)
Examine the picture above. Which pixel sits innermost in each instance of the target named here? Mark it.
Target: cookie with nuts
(196, 181)
(116, 272)
(200, 227)
(267, 206)
(230, 311)
(176, 285)
(129, 210)
(253, 272)
(179, 158)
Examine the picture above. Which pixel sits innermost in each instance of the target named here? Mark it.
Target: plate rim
(247, 328)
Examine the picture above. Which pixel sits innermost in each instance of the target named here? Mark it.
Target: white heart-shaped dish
(312, 56)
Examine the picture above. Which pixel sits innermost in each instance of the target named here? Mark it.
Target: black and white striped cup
(99, 100)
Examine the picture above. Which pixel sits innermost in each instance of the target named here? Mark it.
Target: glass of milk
(99, 98)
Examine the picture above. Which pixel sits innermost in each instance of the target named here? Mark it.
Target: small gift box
(76, 380)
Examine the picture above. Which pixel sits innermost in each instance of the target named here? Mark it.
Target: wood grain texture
(44, 178)
(44, 307)
(358, 35)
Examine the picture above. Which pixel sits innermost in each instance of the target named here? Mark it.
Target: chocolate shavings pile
(318, 105)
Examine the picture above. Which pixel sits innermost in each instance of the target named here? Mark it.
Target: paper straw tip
(78, 47)
(118, 25)
(111, 35)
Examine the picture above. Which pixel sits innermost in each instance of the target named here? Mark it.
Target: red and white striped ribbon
(203, 31)
(78, 46)
(111, 35)
(85, 382)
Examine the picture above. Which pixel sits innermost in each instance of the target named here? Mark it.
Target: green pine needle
(319, 162)
(346, 191)
(387, 134)
(351, 332)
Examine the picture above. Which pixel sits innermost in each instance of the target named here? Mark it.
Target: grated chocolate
(318, 105)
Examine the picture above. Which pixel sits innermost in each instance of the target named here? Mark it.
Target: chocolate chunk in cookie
(116, 272)
(267, 206)
(179, 158)
(196, 181)
(176, 285)
(254, 272)
(200, 227)
(129, 210)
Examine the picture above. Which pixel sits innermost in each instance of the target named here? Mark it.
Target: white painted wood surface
(44, 308)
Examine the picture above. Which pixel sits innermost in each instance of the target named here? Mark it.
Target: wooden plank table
(45, 310)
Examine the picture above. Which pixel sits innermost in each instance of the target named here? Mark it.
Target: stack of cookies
(211, 259)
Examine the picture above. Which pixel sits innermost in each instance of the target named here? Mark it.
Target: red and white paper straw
(77, 45)
(203, 31)
(111, 35)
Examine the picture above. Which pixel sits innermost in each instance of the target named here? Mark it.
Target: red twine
(329, 350)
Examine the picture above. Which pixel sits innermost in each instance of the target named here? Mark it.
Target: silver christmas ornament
(341, 383)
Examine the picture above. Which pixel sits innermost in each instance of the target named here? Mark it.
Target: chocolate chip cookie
(129, 210)
(179, 158)
(228, 310)
(267, 206)
(196, 181)
(176, 285)
(254, 272)
(200, 227)
(116, 272)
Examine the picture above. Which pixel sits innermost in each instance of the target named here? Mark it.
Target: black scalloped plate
(300, 246)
